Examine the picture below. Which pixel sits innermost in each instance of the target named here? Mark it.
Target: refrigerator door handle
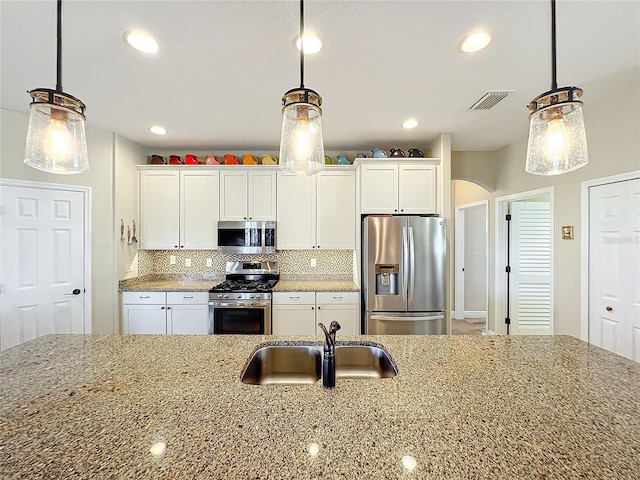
(407, 319)
(412, 264)
(405, 266)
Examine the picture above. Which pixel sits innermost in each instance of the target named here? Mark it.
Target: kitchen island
(74, 406)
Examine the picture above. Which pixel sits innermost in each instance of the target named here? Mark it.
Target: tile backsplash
(291, 262)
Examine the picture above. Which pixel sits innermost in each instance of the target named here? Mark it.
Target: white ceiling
(223, 66)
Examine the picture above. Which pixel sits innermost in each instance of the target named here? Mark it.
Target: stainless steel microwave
(247, 237)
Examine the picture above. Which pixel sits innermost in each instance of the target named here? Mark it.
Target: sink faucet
(329, 357)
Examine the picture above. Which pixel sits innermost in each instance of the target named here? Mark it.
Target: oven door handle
(239, 304)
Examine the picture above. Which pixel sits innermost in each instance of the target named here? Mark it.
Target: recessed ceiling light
(410, 123)
(158, 130)
(141, 42)
(475, 42)
(312, 44)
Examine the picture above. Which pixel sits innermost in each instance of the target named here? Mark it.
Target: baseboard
(475, 314)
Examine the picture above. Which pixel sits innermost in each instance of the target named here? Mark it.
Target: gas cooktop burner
(245, 286)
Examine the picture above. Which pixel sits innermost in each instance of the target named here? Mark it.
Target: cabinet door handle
(312, 308)
(168, 308)
(318, 308)
(175, 246)
(162, 308)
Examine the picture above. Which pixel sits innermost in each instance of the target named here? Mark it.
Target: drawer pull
(144, 297)
(186, 297)
(294, 298)
(338, 298)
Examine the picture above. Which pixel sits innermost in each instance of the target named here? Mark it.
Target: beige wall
(128, 155)
(100, 180)
(475, 273)
(614, 147)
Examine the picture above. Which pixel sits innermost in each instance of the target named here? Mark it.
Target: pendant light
(56, 140)
(301, 147)
(557, 139)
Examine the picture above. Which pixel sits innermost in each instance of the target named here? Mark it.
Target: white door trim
(500, 231)
(86, 195)
(584, 242)
(459, 311)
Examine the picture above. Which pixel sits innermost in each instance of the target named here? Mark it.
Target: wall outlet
(128, 267)
(314, 263)
(187, 262)
(209, 262)
(172, 259)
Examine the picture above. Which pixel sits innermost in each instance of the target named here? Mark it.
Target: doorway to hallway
(524, 263)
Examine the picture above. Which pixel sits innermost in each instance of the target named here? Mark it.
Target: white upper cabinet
(159, 210)
(379, 188)
(336, 210)
(178, 209)
(417, 189)
(317, 211)
(399, 188)
(247, 195)
(296, 228)
(199, 202)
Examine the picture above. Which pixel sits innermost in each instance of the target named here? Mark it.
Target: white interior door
(614, 272)
(531, 269)
(43, 263)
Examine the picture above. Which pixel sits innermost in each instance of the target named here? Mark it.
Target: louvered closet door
(531, 282)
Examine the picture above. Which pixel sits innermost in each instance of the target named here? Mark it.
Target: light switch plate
(187, 262)
(313, 262)
(209, 262)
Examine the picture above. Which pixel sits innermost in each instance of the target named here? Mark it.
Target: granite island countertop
(462, 407)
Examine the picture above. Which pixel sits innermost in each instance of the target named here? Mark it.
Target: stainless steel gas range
(242, 303)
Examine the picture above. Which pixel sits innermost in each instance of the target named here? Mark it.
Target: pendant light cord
(301, 43)
(554, 83)
(59, 49)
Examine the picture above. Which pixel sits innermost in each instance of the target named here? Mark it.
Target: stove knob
(226, 296)
(239, 296)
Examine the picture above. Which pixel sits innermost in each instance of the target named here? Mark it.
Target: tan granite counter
(316, 286)
(170, 283)
(461, 407)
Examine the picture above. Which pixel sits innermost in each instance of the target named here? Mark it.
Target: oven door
(239, 317)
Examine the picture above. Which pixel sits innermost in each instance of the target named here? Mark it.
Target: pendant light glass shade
(557, 138)
(301, 145)
(56, 140)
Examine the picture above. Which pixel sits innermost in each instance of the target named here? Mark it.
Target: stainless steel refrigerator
(403, 270)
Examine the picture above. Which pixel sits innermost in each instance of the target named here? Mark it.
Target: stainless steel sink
(283, 364)
(301, 364)
(363, 361)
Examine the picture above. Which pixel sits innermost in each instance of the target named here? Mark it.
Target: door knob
(609, 309)
(76, 291)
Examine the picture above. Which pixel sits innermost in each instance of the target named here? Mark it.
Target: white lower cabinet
(183, 313)
(298, 313)
(344, 307)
